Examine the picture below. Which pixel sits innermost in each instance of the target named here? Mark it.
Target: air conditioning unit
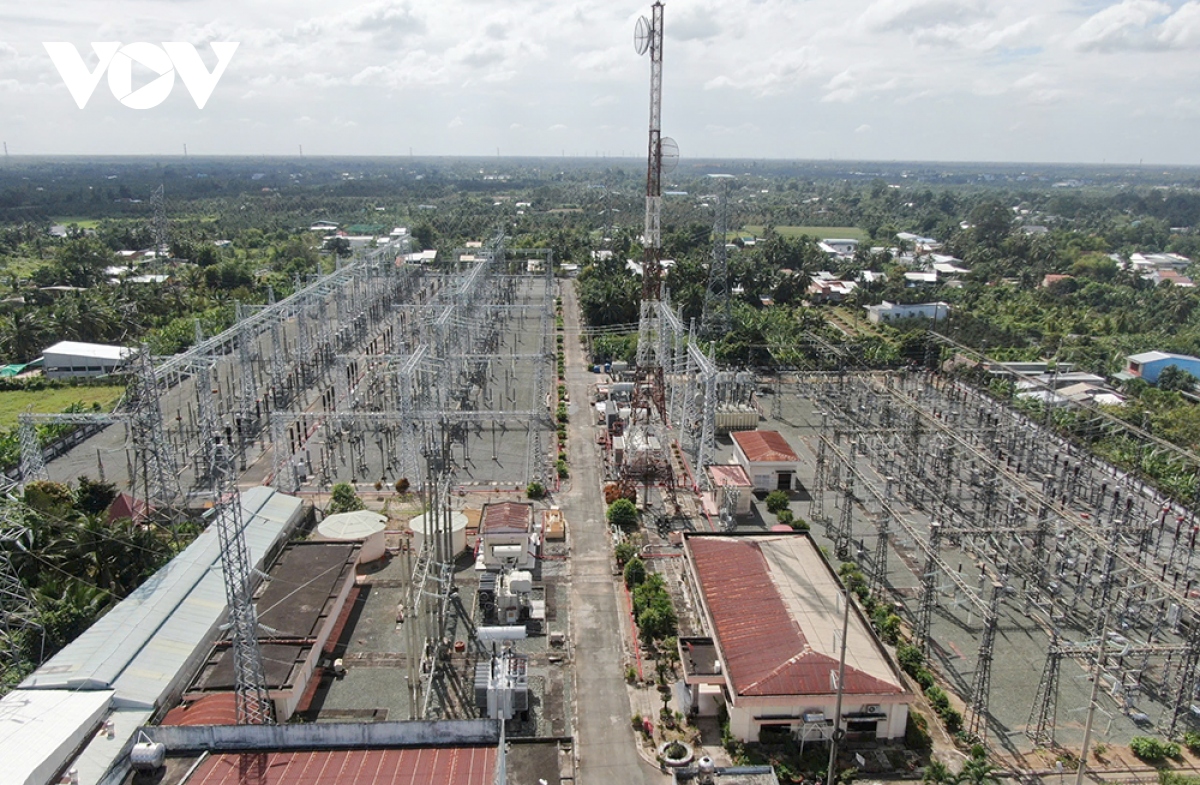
(871, 708)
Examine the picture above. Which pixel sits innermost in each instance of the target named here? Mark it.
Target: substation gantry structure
(1056, 535)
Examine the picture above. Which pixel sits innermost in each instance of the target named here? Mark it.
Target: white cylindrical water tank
(148, 755)
(360, 525)
(422, 526)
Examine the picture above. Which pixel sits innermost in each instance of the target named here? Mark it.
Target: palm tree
(23, 334)
(977, 771)
(937, 773)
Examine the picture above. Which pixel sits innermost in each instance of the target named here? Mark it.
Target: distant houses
(1150, 365)
(889, 312)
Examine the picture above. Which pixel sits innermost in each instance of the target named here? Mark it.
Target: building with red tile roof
(772, 606)
(767, 458)
(506, 535)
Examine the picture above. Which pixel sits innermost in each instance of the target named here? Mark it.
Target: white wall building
(67, 359)
(771, 605)
(768, 459)
(886, 312)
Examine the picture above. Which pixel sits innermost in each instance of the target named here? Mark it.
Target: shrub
(777, 501)
(916, 732)
(785, 517)
(402, 485)
(1153, 750)
(952, 719)
(563, 471)
(910, 658)
(344, 498)
(889, 629)
(635, 573)
(1191, 740)
(800, 525)
(624, 551)
(938, 698)
(535, 490)
(622, 513)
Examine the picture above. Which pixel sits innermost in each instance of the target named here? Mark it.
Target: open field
(819, 232)
(82, 223)
(53, 401)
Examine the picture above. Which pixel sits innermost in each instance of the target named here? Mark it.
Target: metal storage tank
(422, 525)
(359, 525)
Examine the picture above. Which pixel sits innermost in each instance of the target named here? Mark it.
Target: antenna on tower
(648, 38)
(158, 226)
(185, 149)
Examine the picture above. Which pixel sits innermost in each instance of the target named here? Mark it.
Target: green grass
(54, 401)
(82, 223)
(819, 232)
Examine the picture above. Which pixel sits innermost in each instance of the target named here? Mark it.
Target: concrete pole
(830, 775)
(1087, 727)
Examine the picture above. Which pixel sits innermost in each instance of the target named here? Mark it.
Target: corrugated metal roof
(98, 755)
(765, 446)
(220, 708)
(503, 517)
(410, 766)
(1149, 357)
(99, 351)
(774, 604)
(139, 647)
(732, 475)
(40, 730)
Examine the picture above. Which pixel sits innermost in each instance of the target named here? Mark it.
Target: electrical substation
(1050, 591)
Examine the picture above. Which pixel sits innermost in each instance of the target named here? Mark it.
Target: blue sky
(1020, 80)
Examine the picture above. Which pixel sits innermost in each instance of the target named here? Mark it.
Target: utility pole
(838, 733)
(1087, 726)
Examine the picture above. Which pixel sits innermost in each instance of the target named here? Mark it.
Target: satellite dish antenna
(641, 35)
(669, 154)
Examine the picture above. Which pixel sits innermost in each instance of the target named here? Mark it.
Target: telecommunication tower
(663, 154)
(158, 225)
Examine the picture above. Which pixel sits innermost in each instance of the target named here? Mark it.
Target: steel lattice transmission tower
(17, 615)
(717, 318)
(158, 222)
(250, 681)
(648, 37)
(1043, 715)
(154, 460)
(981, 688)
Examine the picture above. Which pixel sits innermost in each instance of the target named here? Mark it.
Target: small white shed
(768, 459)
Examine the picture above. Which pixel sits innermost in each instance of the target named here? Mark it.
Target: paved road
(606, 747)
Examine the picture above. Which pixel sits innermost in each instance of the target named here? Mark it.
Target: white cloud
(909, 15)
(1125, 25)
(862, 129)
(1072, 73)
(1182, 29)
